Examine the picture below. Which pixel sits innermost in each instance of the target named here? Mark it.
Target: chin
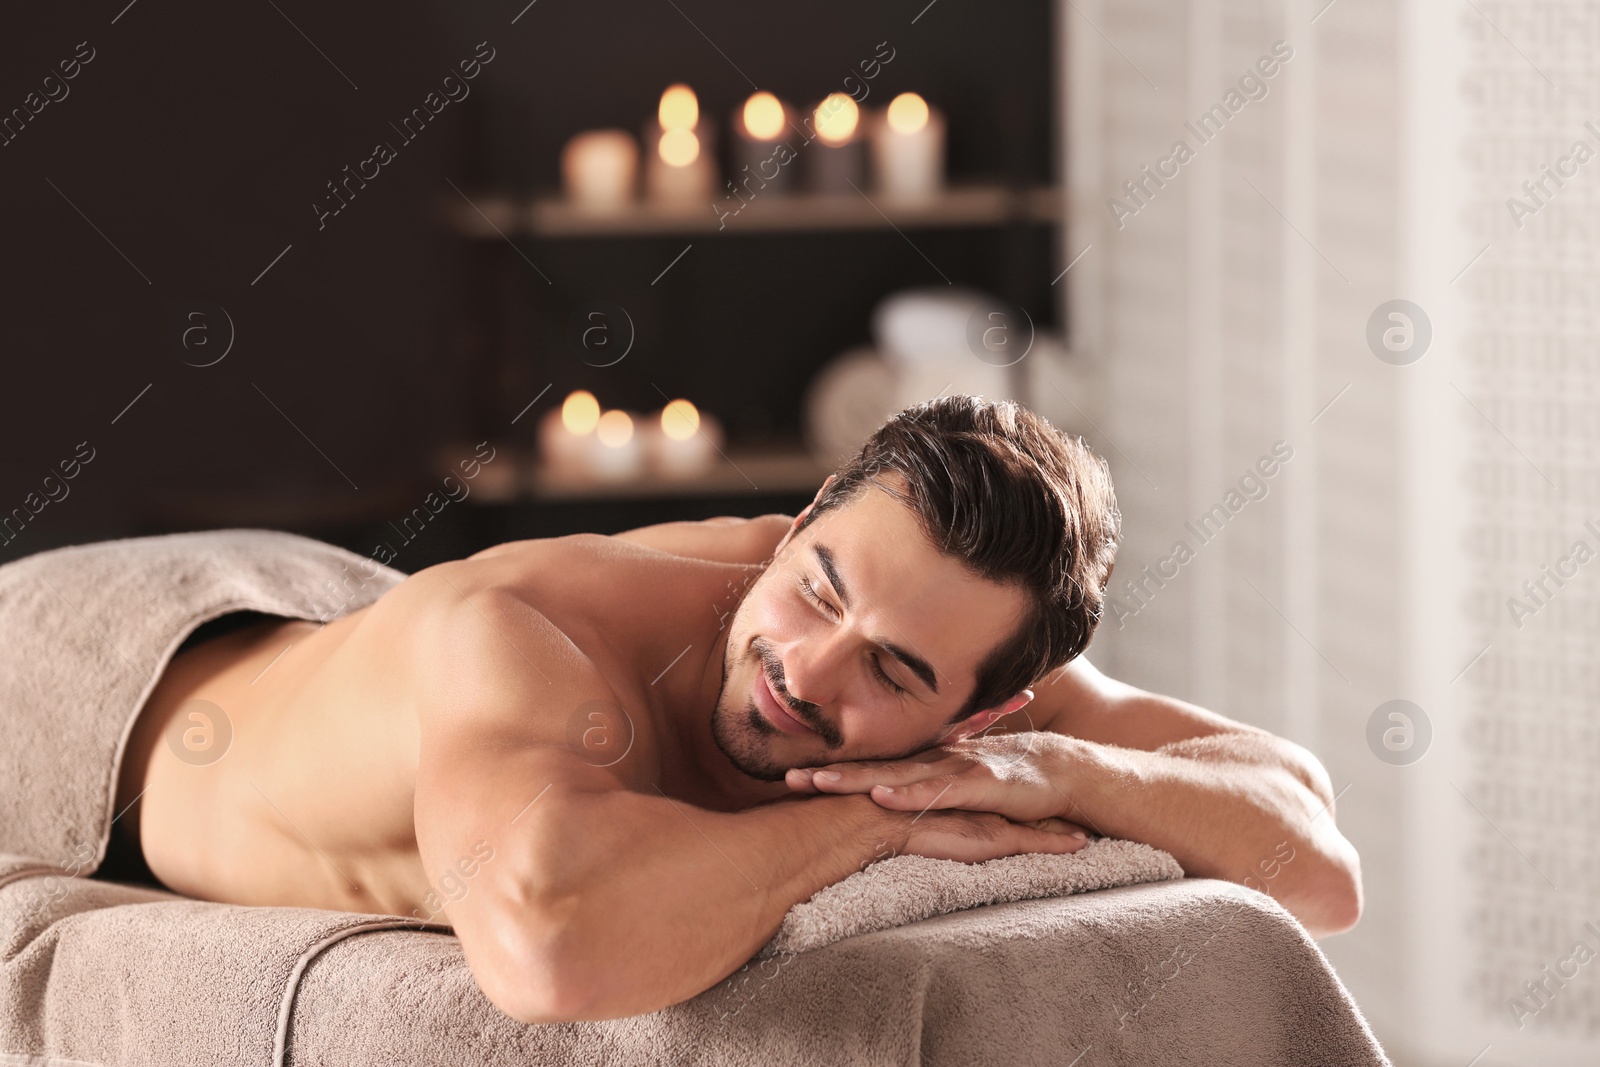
(747, 740)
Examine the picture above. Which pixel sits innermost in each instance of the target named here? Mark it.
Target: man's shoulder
(440, 602)
(724, 539)
(534, 546)
(483, 649)
(741, 542)
(567, 618)
(495, 675)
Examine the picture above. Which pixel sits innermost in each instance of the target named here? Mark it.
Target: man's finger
(1031, 839)
(1057, 825)
(861, 777)
(799, 780)
(926, 756)
(941, 791)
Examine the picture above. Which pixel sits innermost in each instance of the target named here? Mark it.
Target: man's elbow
(538, 1007)
(529, 966)
(536, 1003)
(1331, 902)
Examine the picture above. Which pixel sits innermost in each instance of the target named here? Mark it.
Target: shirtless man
(612, 764)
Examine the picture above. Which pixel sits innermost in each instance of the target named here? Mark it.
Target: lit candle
(683, 442)
(679, 170)
(567, 435)
(760, 154)
(679, 108)
(908, 149)
(836, 161)
(618, 454)
(599, 169)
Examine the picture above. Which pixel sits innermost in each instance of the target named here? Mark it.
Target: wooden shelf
(491, 216)
(741, 473)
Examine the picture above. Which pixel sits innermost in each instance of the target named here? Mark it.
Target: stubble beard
(742, 734)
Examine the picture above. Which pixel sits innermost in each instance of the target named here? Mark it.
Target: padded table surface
(1188, 971)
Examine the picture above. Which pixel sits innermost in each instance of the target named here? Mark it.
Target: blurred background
(1317, 278)
(415, 240)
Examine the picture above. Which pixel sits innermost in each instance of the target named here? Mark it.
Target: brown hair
(1013, 499)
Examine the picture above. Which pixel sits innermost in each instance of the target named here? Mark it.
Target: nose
(812, 669)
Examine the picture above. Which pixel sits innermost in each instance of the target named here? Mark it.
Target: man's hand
(1017, 775)
(977, 836)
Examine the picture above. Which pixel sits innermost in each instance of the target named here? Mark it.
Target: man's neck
(693, 766)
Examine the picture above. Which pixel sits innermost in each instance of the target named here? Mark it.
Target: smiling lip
(775, 711)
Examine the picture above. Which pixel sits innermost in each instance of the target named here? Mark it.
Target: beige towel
(1190, 971)
(905, 889)
(85, 633)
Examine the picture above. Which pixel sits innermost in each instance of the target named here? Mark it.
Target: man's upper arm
(1079, 701)
(498, 688)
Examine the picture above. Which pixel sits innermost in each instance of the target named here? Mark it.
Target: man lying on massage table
(614, 763)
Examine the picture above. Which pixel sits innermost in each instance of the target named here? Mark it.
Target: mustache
(805, 711)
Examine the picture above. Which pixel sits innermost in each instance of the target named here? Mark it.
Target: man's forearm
(1232, 806)
(659, 900)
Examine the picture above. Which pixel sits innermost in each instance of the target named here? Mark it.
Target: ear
(980, 721)
(794, 526)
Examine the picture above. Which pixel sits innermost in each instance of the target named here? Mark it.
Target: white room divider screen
(1340, 286)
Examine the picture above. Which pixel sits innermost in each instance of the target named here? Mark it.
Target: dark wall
(194, 148)
(191, 148)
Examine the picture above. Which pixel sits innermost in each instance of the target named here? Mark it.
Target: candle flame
(580, 412)
(680, 420)
(908, 113)
(615, 429)
(679, 148)
(836, 118)
(763, 116)
(679, 108)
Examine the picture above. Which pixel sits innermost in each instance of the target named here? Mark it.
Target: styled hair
(1015, 501)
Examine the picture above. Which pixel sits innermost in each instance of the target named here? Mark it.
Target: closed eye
(808, 589)
(877, 668)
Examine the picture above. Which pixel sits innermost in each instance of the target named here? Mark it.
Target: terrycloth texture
(88, 630)
(905, 889)
(1179, 972)
(113, 974)
(108, 974)
(1039, 982)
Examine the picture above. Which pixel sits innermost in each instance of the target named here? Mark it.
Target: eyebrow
(913, 662)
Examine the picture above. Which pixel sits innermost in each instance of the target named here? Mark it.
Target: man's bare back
(312, 803)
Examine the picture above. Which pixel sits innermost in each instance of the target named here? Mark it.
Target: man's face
(859, 641)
